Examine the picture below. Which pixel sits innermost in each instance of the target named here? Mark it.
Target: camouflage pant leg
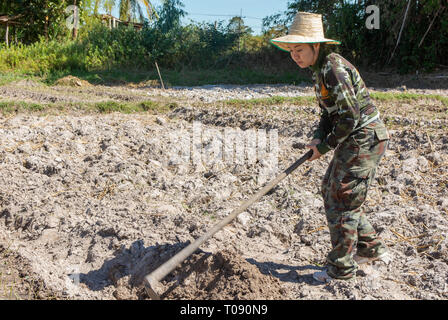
(344, 190)
(369, 245)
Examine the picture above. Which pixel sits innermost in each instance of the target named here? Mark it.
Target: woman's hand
(316, 154)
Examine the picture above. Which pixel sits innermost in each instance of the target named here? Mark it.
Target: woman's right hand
(316, 154)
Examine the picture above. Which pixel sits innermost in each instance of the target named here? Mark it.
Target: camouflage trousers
(344, 190)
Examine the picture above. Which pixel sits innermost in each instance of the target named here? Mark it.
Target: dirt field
(92, 202)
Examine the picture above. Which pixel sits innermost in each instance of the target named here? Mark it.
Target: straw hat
(306, 28)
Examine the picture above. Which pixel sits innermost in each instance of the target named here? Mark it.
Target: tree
(108, 5)
(38, 18)
(236, 25)
(130, 10)
(421, 37)
(170, 14)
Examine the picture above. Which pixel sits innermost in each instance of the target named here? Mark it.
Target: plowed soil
(91, 202)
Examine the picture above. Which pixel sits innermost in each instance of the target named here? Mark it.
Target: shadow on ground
(285, 272)
(133, 263)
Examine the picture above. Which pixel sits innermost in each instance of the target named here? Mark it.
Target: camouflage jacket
(343, 98)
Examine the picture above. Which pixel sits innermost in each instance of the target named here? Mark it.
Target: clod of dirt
(222, 276)
(72, 81)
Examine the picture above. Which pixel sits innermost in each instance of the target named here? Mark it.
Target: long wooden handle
(158, 274)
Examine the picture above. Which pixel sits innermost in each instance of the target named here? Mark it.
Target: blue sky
(199, 10)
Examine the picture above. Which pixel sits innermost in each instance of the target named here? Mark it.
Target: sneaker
(385, 257)
(322, 276)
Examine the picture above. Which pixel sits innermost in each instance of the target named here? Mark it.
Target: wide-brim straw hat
(306, 28)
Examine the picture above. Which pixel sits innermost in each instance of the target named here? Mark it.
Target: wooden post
(161, 81)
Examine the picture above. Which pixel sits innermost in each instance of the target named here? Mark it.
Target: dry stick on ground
(317, 229)
(401, 236)
(400, 282)
(401, 30)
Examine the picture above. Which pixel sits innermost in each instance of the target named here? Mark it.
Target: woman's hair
(323, 47)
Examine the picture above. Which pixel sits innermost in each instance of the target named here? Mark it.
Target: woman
(350, 125)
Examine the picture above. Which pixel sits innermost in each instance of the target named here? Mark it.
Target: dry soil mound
(221, 276)
(72, 81)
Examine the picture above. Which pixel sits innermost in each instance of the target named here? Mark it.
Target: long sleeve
(324, 126)
(340, 88)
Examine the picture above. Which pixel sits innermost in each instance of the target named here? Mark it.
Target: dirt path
(93, 202)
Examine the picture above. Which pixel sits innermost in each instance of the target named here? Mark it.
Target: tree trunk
(46, 23)
(7, 31)
(424, 36)
(401, 30)
(75, 29)
(46, 29)
(95, 9)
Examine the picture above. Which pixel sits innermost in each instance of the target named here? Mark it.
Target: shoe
(322, 276)
(385, 257)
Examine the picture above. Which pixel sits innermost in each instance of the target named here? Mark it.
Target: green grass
(152, 107)
(146, 106)
(9, 107)
(164, 107)
(390, 96)
(119, 57)
(306, 100)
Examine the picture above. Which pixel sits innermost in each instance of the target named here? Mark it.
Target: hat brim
(283, 44)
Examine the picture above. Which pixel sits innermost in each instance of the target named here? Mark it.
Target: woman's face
(303, 55)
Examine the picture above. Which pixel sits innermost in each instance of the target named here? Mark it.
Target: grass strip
(407, 96)
(152, 107)
(164, 107)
